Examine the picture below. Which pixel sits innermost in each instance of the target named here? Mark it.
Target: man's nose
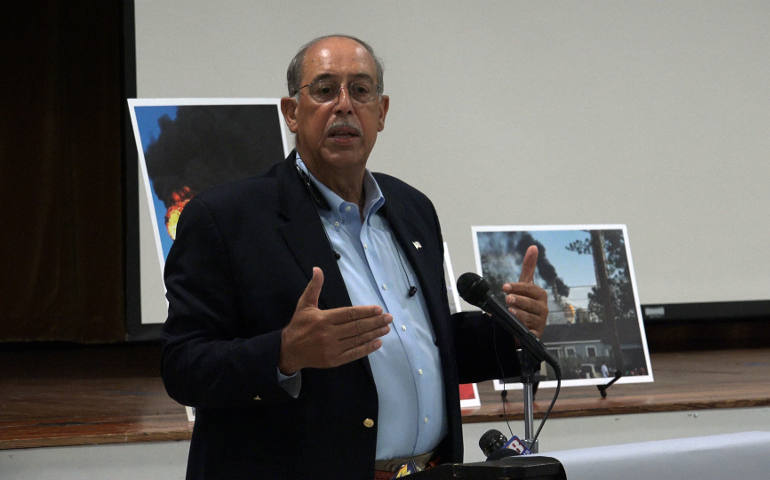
(344, 102)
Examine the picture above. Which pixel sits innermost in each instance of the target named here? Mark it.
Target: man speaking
(308, 318)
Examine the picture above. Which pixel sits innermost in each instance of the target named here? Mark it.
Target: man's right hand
(329, 338)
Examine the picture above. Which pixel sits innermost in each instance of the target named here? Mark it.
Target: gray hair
(294, 72)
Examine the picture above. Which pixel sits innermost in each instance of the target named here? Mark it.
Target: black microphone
(475, 290)
(496, 446)
(491, 441)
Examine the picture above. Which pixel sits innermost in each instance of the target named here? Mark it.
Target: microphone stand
(530, 376)
(475, 290)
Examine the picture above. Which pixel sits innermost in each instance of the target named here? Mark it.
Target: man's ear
(384, 104)
(289, 109)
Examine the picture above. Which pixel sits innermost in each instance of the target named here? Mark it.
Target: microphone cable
(557, 371)
(504, 393)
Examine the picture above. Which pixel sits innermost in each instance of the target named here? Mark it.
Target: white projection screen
(651, 114)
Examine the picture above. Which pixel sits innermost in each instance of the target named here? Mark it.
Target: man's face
(338, 134)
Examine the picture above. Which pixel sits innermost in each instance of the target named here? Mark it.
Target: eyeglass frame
(377, 89)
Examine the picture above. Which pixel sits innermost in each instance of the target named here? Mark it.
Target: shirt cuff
(292, 384)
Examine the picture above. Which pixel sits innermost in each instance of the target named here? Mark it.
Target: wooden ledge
(683, 381)
(76, 395)
(114, 394)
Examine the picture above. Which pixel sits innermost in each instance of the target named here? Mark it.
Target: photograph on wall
(186, 146)
(594, 327)
(469, 392)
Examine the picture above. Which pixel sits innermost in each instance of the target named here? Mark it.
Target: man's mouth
(342, 132)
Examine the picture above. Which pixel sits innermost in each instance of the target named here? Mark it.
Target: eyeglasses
(325, 90)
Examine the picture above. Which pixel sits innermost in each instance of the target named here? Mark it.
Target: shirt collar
(373, 198)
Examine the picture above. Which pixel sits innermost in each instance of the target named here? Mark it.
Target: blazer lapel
(413, 237)
(305, 237)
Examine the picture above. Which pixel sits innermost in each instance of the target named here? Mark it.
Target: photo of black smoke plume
(502, 254)
(207, 145)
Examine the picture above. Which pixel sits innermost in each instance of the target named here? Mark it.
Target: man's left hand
(525, 299)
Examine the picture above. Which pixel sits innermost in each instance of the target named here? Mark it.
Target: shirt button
(426, 419)
(347, 208)
(384, 286)
(337, 224)
(403, 328)
(366, 246)
(368, 422)
(419, 370)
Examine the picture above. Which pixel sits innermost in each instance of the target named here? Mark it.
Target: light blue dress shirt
(407, 370)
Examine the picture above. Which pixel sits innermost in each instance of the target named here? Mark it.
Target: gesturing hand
(525, 299)
(329, 338)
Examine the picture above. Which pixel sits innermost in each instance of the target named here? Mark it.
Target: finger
(529, 264)
(526, 304)
(525, 290)
(343, 315)
(309, 298)
(360, 351)
(363, 326)
(534, 322)
(358, 340)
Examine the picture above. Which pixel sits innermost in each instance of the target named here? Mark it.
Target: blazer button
(368, 422)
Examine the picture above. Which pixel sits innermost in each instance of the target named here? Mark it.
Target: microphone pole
(529, 376)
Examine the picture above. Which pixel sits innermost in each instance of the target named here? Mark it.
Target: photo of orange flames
(179, 199)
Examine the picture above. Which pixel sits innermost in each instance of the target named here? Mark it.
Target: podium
(528, 467)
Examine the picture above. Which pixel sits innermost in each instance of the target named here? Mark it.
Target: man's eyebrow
(324, 76)
(362, 76)
(333, 76)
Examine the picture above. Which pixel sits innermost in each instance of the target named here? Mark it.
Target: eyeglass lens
(362, 91)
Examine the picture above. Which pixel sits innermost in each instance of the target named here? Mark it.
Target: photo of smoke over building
(594, 326)
(188, 148)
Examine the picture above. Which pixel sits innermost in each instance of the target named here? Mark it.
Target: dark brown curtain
(61, 247)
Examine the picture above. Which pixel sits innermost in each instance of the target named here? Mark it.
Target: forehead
(337, 56)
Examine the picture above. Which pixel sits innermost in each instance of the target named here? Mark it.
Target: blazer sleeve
(484, 351)
(208, 360)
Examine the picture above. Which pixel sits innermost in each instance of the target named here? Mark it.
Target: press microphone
(475, 290)
(496, 446)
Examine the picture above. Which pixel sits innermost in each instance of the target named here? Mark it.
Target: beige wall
(650, 113)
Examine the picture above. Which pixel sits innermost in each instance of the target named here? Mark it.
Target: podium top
(529, 467)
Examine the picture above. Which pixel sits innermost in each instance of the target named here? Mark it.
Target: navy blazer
(243, 255)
